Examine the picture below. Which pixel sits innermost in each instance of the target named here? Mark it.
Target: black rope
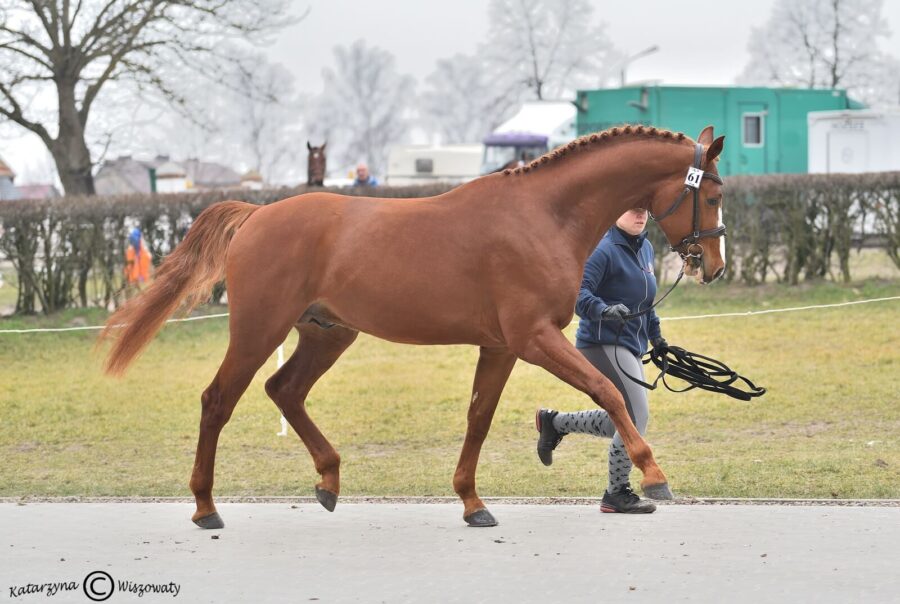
(697, 370)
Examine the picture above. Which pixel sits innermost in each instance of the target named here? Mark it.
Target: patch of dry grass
(829, 426)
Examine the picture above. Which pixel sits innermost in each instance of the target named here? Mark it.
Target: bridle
(690, 247)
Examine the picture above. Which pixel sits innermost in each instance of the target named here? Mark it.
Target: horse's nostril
(719, 273)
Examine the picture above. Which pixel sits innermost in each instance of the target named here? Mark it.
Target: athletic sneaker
(549, 438)
(626, 501)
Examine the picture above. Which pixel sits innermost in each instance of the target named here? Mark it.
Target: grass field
(828, 427)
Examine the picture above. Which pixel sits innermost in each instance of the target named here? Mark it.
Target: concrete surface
(279, 552)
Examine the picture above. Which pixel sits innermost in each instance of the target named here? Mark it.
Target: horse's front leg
(494, 367)
(547, 347)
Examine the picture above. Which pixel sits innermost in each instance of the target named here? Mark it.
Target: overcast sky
(701, 42)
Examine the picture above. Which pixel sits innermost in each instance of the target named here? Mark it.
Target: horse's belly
(418, 316)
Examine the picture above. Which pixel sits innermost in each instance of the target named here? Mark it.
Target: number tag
(694, 176)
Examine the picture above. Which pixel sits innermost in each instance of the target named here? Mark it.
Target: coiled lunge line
(697, 370)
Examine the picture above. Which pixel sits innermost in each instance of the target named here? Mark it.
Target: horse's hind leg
(316, 352)
(494, 367)
(218, 402)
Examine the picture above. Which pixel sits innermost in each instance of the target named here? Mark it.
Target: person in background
(138, 263)
(618, 280)
(363, 178)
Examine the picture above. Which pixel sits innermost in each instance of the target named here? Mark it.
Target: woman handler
(618, 280)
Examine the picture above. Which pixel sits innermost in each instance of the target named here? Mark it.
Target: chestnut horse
(315, 165)
(494, 263)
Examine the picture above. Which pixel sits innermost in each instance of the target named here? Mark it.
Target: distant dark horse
(315, 166)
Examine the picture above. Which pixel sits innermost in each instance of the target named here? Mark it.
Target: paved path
(424, 553)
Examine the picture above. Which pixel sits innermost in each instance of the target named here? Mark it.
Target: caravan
(853, 141)
(421, 164)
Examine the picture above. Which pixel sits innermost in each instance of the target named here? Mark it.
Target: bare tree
(57, 56)
(266, 116)
(549, 47)
(825, 44)
(465, 100)
(366, 105)
(252, 118)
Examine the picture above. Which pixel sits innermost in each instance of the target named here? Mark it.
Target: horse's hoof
(213, 521)
(326, 498)
(658, 491)
(480, 518)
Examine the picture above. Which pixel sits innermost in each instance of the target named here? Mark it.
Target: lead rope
(697, 370)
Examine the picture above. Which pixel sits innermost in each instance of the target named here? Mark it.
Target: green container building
(765, 128)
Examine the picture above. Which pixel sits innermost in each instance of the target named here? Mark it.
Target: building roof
(123, 175)
(170, 170)
(128, 175)
(6, 170)
(210, 175)
(37, 191)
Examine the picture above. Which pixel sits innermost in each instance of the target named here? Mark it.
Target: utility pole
(643, 53)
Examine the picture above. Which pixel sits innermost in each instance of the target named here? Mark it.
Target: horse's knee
(608, 397)
(214, 413)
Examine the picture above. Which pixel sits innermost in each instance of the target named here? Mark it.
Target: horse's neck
(587, 190)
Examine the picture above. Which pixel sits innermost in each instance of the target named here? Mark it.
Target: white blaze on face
(721, 239)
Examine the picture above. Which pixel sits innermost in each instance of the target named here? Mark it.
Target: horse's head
(315, 166)
(689, 211)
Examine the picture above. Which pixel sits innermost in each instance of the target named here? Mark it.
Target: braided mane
(588, 140)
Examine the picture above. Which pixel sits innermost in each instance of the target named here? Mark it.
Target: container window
(753, 130)
(424, 165)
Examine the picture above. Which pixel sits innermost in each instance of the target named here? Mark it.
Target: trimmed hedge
(70, 251)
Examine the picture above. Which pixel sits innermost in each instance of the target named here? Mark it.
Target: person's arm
(590, 306)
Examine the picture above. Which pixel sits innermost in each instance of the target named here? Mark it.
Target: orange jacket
(137, 270)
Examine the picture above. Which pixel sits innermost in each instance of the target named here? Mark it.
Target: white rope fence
(98, 327)
(746, 313)
(749, 313)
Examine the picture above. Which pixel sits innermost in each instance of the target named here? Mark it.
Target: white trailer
(420, 164)
(854, 140)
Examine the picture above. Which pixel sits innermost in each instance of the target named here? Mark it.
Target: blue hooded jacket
(617, 274)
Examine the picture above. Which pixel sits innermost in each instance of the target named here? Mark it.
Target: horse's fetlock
(328, 463)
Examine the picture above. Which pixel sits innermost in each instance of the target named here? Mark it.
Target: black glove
(615, 313)
(659, 342)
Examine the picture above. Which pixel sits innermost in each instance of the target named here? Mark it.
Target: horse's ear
(706, 137)
(308, 146)
(324, 145)
(715, 149)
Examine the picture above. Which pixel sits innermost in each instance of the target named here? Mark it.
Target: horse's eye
(713, 201)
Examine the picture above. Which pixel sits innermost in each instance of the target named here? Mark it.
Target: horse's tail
(187, 275)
